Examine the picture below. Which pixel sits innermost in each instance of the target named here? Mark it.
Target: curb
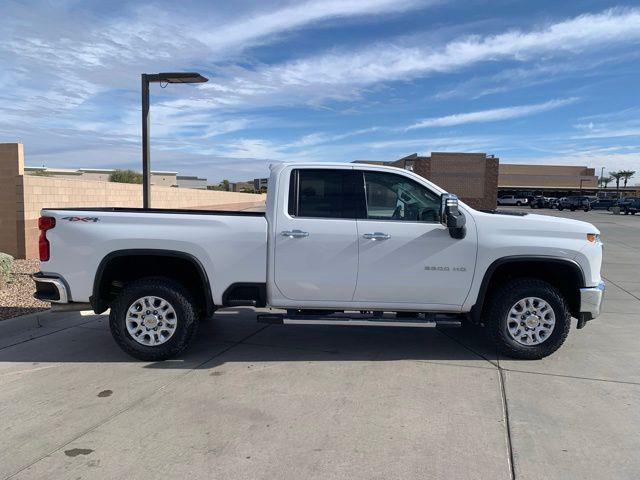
(16, 325)
(32, 321)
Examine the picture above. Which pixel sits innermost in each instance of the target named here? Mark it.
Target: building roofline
(90, 170)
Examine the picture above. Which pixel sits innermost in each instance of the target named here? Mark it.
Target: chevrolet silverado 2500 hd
(339, 244)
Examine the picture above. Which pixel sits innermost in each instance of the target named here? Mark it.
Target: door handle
(294, 233)
(376, 236)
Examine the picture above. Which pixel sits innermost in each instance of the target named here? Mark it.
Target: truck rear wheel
(153, 319)
(528, 319)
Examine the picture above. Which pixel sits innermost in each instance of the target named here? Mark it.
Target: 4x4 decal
(82, 219)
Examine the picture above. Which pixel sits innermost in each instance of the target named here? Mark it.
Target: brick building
(471, 176)
(555, 180)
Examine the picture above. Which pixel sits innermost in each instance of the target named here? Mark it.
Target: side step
(242, 303)
(362, 320)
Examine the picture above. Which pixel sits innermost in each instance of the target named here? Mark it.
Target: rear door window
(324, 193)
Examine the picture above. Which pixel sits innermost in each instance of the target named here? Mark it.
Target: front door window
(395, 197)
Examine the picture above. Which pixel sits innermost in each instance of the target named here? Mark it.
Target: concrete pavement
(255, 401)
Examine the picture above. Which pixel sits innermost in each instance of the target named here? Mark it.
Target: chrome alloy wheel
(151, 321)
(531, 321)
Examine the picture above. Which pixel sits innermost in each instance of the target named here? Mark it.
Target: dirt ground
(16, 297)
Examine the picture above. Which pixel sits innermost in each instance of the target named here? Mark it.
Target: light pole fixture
(147, 78)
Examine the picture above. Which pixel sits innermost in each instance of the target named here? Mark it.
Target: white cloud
(320, 138)
(70, 82)
(81, 63)
(624, 123)
(64, 59)
(247, 31)
(543, 70)
(389, 62)
(492, 115)
(345, 74)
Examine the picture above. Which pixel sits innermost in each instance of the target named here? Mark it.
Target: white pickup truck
(339, 244)
(513, 200)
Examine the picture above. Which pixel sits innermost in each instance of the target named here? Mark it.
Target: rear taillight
(44, 224)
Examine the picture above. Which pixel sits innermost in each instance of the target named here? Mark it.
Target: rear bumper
(50, 289)
(590, 303)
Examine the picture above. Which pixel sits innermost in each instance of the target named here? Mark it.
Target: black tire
(573, 209)
(506, 297)
(518, 204)
(180, 300)
(586, 209)
(560, 208)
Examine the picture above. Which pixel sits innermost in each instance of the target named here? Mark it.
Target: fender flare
(476, 309)
(100, 305)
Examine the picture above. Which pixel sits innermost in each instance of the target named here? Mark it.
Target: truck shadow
(233, 335)
(236, 337)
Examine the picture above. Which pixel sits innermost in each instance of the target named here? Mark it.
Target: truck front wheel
(153, 319)
(528, 319)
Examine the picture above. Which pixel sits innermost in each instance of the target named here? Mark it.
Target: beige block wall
(23, 196)
(11, 171)
(46, 192)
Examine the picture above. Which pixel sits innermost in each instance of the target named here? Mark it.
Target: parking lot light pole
(170, 77)
(582, 180)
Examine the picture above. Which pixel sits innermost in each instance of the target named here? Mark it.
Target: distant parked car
(629, 205)
(539, 202)
(512, 200)
(604, 203)
(575, 203)
(553, 202)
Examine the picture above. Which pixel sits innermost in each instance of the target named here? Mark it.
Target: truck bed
(160, 210)
(230, 246)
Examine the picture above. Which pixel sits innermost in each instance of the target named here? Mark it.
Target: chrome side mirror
(451, 217)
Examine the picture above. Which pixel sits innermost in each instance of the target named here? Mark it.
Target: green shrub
(125, 176)
(6, 262)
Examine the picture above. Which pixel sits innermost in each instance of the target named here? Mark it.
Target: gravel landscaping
(16, 297)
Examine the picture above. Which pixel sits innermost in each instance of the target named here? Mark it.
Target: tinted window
(395, 197)
(323, 193)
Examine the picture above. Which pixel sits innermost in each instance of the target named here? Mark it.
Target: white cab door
(405, 254)
(316, 242)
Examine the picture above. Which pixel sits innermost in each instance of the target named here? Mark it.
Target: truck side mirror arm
(451, 216)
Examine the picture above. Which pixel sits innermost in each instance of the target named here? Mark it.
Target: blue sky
(321, 80)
